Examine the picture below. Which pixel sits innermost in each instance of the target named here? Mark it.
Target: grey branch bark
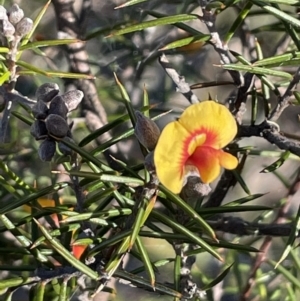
(70, 26)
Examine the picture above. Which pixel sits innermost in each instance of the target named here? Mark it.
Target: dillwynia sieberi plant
(108, 198)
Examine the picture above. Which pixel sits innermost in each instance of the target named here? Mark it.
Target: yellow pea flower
(195, 139)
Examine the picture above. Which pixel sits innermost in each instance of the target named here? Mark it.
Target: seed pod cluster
(13, 24)
(50, 113)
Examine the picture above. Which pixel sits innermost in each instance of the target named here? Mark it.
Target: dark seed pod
(65, 150)
(7, 29)
(3, 13)
(58, 106)
(40, 110)
(146, 131)
(47, 91)
(24, 27)
(47, 150)
(56, 126)
(38, 130)
(15, 14)
(73, 99)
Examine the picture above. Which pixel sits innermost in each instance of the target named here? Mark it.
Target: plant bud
(24, 27)
(46, 92)
(7, 28)
(40, 110)
(56, 126)
(38, 130)
(65, 150)
(146, 131)
(15, 14)
(193, 187)
(58, 107)
(47, 150)
(72, 99)
(3, 13)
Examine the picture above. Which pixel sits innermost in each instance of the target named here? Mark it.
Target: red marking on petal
(202, 155)
(210, 141)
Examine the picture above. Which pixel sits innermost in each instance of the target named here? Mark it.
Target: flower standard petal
(211, 118)
(174, 146)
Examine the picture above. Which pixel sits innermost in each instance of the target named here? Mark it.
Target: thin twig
(194, 190)
(209, 18)
(283, 101)
(269, 131)
(70, 26)
(182, 86)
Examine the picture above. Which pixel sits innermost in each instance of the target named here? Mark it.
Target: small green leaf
(241, 181)
(140, 281)
(126, 101)
(297, 96)
(284, 272)
(47, 43)
(161, 21)
(189, 234)
(129, 3)
(292, 237)
(31, 68)
(238, 21)
(35, 24)
(258, 70)
(277, 60)
(146, 102)
(187, 41)
(146, 260)
(218, 279)
(4, 50)
(5, 77)
(26, 119)
(33, 196)
(277, 163)
(278, 13)
(67, 255)
(189, 211)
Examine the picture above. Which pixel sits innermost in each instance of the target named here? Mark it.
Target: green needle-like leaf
(277, 163)
(161, 21)
(189, 211)
(67, 255)
(129, 3)
(258, 70)
(292, 237)
(218, 279)
(146, 260)
(181, 229)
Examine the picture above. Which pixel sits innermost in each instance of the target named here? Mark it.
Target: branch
(194, 190)
(69, 26)
(209, 18)
(238, 226)
(269, 131)
(182, 86)
(283, 101)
